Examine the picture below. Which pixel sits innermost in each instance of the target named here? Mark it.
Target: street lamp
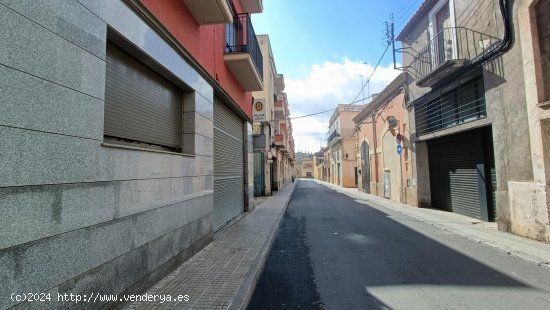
(362, 88)
(368, 79)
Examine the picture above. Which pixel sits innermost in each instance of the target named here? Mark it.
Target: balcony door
(443, 32)
(443, 35)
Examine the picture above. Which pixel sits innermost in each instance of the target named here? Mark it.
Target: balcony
(279, 116)
(279, 82)
(242, 53)
(252, 6)
(210, 11)
(281, 141)
(451, 49)
(333, 137)
(341, 134)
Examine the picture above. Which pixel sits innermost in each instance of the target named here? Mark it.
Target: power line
(405, 16)
(387, 36)
(406, 13)
(331, 110)
(410, 7)
(372, 73)
(405, 4)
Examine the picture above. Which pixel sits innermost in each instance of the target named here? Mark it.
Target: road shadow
(287, 281)
(333, 252)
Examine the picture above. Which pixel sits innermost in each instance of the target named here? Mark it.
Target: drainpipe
(506, 43)
(503, 47)
(375, 149)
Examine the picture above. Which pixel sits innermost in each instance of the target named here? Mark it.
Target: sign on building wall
(259, 110)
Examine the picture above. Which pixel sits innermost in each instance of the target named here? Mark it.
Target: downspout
(375, 149)
(402, 194)
(404, 104)
(403, 90)
(506, 43)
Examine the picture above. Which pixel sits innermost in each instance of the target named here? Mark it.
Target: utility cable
(372, 73)
(331, 110)
(361, 91)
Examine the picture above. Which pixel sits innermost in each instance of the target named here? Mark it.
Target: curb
(246, 290)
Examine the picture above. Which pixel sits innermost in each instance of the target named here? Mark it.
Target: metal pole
(368, 81)
(393, 42)
(363, 89)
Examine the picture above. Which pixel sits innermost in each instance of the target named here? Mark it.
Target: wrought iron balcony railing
(464, 104)
(241, 38)
(341, 133)
(453, 46)
(333, 136)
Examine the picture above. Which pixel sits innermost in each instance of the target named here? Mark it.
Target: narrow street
(332, 252)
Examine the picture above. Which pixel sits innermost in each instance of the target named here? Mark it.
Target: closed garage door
(228, 165)
(458, 174)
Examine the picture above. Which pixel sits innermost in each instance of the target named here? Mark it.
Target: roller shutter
(228, 165)
(140, 105)
(454, 180)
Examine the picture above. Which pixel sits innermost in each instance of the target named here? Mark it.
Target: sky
(322, 48)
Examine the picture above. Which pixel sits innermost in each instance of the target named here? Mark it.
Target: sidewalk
(224, 274)
(469, 228)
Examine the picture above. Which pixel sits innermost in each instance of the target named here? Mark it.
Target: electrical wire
(405, 17)
(372, 73)
(405, 4)
(331, 110)
(406, 13)
(361, 91)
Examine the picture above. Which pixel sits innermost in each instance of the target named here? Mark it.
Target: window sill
(138, 148)
(544, 105)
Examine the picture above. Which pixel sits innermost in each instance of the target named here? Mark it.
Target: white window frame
(432, 31)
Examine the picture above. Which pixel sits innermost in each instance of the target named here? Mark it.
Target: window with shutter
(141, 106)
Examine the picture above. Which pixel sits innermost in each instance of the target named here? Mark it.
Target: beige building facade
(340, 153)
(307, 166)
(318, 165)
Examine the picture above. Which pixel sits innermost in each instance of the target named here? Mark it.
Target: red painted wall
(204, 42)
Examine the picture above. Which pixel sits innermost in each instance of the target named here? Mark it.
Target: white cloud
(325, 86)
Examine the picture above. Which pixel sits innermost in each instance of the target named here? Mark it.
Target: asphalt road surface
(332, 252)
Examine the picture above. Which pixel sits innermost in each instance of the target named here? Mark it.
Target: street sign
(259, 111)
(399, 149)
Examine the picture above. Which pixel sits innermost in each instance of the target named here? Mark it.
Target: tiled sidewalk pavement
(472, 229)
(224, 274)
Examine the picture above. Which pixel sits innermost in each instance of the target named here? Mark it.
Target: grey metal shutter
(140, 105)
(228, 165)
(454, 178)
